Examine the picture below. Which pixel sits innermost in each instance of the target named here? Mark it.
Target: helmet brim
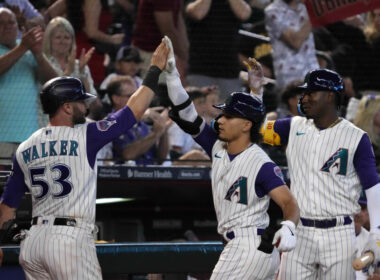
(220, 106)
(87, 95)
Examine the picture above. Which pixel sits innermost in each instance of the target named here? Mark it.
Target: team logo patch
(278, 172)
(104, 125)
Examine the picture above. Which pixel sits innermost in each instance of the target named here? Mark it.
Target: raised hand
(31, 37)
(160, 56)
(37, 37)
(170, 64)
(255, 75)
(71, 62)
(85, 58)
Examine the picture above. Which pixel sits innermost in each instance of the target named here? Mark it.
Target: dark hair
(256, 136)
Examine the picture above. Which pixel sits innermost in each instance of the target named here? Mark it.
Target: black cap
(324, 80)
(128, 53)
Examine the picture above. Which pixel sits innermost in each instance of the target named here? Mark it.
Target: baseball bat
(363, 261)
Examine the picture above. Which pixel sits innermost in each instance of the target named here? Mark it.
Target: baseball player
(330, 160)
(243, 180)
(57, 165)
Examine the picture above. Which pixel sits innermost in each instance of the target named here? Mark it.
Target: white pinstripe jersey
(236, 179)
(322, 174)
(47, 160)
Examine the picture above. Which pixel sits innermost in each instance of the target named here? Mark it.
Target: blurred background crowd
(108, 44)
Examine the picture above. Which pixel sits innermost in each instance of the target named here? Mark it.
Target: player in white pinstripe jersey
(243, 180)
(330, 160)
(57, 165)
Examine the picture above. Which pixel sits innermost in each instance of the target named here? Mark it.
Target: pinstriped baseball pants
(320, 254)
(240, 260)
(59, 252)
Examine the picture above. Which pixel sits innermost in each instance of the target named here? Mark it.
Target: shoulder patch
(104, 125)
(278, 172)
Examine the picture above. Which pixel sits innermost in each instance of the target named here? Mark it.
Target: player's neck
(326, 121)
(237, 146)
(56, 121)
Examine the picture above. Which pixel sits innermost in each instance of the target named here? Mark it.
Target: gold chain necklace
(335, 122)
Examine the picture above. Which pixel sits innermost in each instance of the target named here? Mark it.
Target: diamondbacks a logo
(238, 190)
(104, 125)
(339, 160)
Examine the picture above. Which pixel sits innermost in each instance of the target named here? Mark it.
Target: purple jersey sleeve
(101, 132)
(282, 127)
(268, 178)
(365, 163)
(207, 139)
(15, 187)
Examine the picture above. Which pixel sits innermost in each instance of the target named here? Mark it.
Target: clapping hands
(32, 40)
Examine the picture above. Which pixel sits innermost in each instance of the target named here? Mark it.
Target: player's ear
(247, 125)
(331, 96)
(67, 108)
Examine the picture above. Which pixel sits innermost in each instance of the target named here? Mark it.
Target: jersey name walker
(47, 160)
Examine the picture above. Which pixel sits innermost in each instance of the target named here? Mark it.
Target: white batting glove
(287, 236)
(170, 64)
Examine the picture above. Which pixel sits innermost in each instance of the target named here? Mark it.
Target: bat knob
(363, 261)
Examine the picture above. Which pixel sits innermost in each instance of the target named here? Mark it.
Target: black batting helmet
(322, 80)
(243, 105)
(60, 90)
(246, 106)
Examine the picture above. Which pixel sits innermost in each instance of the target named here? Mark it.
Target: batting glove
(170, 64)
(287, 236)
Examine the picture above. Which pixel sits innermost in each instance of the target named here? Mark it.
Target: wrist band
(151, 78)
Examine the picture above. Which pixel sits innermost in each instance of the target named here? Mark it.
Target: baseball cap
(128, 53)
(323, 79)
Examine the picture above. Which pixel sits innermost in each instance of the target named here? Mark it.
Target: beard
(78, 116)
(221, 138)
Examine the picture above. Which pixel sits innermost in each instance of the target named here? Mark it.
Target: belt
(231, 235)
(57, 221)
(324, 223)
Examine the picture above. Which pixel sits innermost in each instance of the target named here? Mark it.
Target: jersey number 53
(38, 180)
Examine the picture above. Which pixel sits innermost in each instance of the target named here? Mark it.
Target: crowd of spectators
(107, 44)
